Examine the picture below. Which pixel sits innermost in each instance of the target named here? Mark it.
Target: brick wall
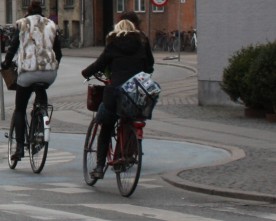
(167, 20)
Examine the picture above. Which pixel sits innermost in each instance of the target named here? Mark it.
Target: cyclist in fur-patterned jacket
(124, 55)
(38, 55)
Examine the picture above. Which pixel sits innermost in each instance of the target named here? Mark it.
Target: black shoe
(97, 173)
(16, 156)
(19, 153)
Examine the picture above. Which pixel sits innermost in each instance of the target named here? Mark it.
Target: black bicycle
(37, 134)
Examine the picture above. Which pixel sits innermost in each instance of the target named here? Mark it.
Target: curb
(178, 65)
(174, 179)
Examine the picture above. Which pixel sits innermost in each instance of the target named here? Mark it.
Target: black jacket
(124, 56)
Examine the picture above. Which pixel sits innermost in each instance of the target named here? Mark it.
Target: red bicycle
(125, 149)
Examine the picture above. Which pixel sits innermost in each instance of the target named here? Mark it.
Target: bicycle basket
(138, 97)
(94, 96)
(10, 77)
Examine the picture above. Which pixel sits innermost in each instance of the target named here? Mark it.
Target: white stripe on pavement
(39, 213)
(53, 157)
(147, 212)
(270, 216)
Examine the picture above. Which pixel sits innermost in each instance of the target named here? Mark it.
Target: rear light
(139, 124)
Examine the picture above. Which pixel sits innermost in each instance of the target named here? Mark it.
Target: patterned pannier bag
(137, 97)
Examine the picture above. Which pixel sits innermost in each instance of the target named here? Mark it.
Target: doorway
(107, 17)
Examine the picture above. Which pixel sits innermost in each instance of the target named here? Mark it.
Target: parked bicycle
(125, 147)
(190, 40)
(160, 41)
(194, 40)
(175, 41)
(37, 134)
(6, 34)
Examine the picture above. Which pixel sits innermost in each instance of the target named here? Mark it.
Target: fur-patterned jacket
(36, 43)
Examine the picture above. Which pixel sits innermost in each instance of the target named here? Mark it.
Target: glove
(5, 65)
(85, 74)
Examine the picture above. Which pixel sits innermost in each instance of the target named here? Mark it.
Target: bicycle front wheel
(12, 144)
(38, 147)
(90, 152)
(129, 172)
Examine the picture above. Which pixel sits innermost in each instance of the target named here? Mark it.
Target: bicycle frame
(119, 136)
(46, 122)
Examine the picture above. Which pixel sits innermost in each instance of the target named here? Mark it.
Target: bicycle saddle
(40, 85)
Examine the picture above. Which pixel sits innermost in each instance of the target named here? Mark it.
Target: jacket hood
(127, 44)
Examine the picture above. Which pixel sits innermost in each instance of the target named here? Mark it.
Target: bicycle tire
(90, 152)
(12, 144)
(129, 172)
(38, 147)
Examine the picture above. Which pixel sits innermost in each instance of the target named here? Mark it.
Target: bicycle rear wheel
(128, 172)
(90, 152)
(12, 144)
(38, 147)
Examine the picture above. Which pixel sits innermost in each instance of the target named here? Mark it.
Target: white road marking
(159, 214)
(68, 190)
(64, 184)
(39, 213)
(270, 216)
(149, 186)
(15, 188)
(53, 157)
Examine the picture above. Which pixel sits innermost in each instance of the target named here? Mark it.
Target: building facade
(86, 22)
(175, 15)
(8, 12)
(224, 27)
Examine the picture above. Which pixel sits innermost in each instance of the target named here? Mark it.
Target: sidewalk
(251, 174)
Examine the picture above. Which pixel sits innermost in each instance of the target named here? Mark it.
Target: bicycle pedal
(96, 175)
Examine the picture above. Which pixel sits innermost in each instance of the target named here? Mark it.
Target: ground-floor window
(157, 9)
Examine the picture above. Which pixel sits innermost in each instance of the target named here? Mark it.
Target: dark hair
(131, 16)
(35, 8)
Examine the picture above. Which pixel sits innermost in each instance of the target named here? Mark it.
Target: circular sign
(159, 3)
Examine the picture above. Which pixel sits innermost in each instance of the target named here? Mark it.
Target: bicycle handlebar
(100, 77)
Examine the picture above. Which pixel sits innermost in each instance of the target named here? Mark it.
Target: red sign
(159, 3)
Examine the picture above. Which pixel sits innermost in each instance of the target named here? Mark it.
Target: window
(69, 4)
(157, 9)
(139, 6)
(120, 5)
(26, 3)
(9, 12)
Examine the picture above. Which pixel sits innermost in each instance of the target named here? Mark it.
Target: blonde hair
(123, 27)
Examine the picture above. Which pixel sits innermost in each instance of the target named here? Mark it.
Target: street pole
(148, 18)
(179, 43)
(1, 82)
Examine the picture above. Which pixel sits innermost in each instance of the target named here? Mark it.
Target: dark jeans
(23, 95)
(107, 119)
